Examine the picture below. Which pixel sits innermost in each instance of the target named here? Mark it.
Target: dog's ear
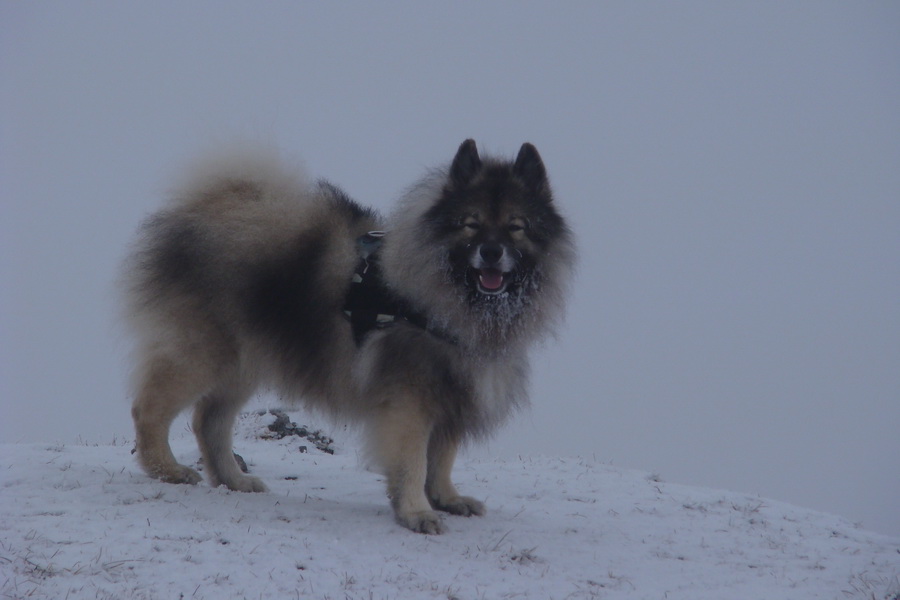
(530, 168)
(466, 164)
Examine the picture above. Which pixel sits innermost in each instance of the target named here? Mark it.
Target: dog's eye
(472, 225)
(517, 225)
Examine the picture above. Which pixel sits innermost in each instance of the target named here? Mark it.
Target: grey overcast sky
(732, 171)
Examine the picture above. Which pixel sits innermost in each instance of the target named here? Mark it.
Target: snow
(83, 521)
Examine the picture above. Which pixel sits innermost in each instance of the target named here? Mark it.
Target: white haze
(731, 170)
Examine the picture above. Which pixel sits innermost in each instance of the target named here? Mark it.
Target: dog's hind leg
(439, 488)
(214, 427)
(401, 430)
(164, 390)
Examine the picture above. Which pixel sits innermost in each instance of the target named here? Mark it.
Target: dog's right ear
(466, 164)
(530, 167)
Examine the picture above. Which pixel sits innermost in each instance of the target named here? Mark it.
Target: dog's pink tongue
(491, 279)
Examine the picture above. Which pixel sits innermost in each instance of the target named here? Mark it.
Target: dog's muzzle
(493, 264)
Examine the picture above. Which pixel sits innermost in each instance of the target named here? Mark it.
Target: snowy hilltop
(83, 521)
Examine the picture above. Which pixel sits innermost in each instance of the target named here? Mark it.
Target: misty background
(731, 171)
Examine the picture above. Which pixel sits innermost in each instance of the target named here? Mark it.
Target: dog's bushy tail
(253, 170)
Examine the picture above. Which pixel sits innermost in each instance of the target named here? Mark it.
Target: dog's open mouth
(491, 281)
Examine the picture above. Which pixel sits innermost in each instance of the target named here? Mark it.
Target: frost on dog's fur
(516, 318)
(240, 281)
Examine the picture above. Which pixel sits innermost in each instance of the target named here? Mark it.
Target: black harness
(370, 304)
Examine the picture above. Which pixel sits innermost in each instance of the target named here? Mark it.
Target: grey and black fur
(241, 282)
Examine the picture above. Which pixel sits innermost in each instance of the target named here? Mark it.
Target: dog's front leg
(401, 433)
(439, 487)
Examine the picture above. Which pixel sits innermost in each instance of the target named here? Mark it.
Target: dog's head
(496, 221)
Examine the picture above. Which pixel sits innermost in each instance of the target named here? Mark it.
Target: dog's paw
(246, 484)
(463, 506)
(425, 521)
(181, 474)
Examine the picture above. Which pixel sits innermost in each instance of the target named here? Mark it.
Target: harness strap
(370, 304)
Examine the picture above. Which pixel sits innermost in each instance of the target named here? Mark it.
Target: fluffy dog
(418, 327)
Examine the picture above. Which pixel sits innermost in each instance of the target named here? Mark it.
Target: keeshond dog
(419, 327)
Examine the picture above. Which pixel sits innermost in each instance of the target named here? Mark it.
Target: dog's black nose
(491, 252)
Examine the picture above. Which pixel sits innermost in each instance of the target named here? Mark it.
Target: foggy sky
(731, 170)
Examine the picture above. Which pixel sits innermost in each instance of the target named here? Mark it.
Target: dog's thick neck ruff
(370, 304)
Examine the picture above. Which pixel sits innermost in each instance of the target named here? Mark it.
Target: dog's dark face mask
(495, 219)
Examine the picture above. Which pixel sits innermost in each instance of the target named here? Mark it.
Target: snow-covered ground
(82, 521)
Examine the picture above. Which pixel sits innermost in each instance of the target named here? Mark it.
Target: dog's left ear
(530, 168)
(466, 164)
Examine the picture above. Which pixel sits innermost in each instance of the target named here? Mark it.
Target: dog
(417, 327)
